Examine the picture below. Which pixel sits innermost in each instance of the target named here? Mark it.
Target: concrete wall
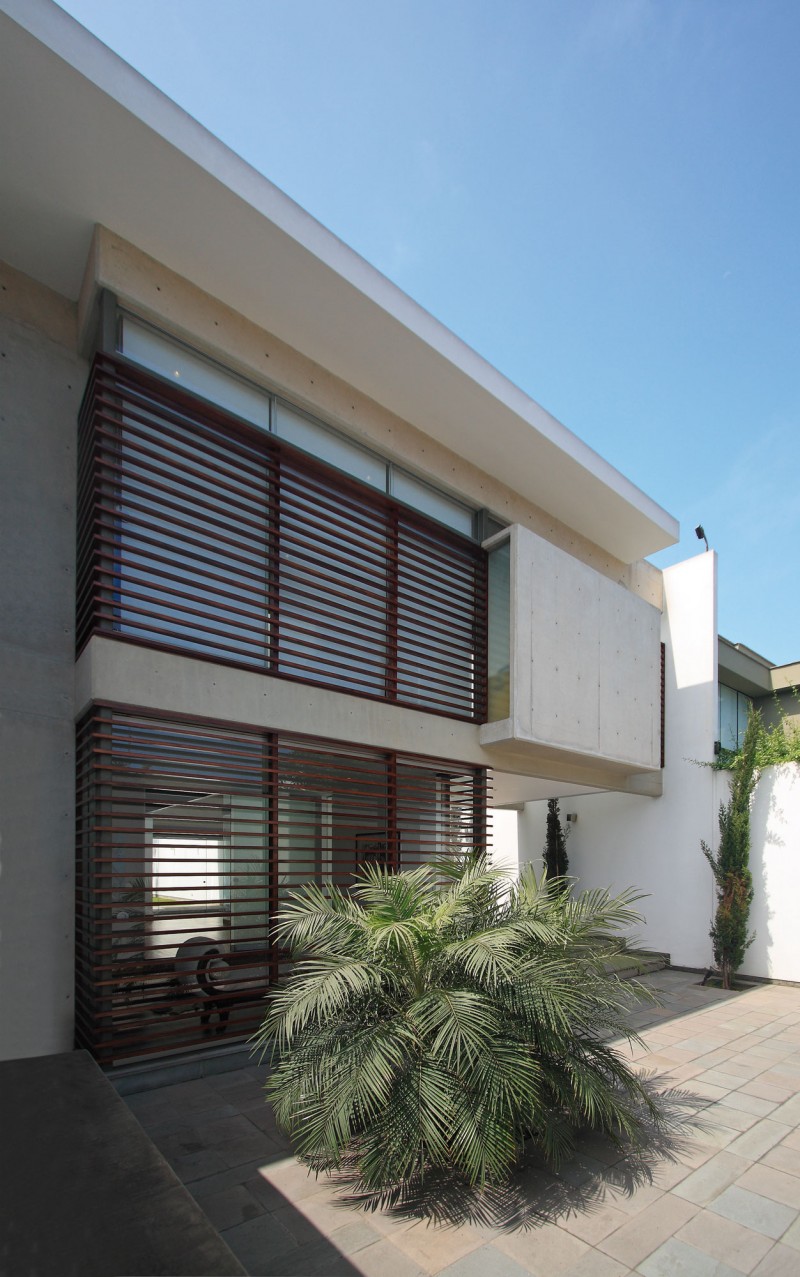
(586, 658)
(621, 840)
(42, 383)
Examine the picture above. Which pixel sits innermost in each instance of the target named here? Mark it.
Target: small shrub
(556, 861)
(436, 1020)
(730, 864)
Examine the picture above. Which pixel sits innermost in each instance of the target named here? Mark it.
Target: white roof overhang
(88, 140)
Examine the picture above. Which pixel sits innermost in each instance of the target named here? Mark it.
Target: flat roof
(89, 140)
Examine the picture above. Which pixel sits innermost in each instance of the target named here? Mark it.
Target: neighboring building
(746, 679)
(339, 587)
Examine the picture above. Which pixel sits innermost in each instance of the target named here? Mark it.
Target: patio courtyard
(720, 1196)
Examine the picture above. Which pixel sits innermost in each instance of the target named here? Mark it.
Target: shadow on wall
(775, 866)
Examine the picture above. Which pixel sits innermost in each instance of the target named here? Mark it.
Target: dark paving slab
(84, 1191)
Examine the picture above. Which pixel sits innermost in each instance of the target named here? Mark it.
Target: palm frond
(440, 1018)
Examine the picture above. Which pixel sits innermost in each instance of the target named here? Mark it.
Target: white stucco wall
(621, 840)
(775, 866)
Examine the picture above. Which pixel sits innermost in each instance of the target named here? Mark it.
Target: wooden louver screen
(204, 535)
(189, 836)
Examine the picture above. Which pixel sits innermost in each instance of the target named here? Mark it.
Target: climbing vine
(775, 743)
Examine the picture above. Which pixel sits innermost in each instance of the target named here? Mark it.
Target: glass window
(330, 447)
(435, 504)
(734, 708)
(169, 359)
(499, 637)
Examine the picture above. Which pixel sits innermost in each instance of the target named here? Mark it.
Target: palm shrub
(731, 863)
(437, 1019)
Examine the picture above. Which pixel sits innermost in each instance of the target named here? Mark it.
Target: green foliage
(435, 1020)
(730, 865)
(556, 862)
(777, 743)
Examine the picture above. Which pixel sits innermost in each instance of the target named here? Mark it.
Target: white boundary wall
(775, 866)
(653, 844)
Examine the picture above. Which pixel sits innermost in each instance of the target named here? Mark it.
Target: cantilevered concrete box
(585, 660)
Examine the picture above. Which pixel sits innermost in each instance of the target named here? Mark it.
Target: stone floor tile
(592, 1223)
(754, 1211)
(322, 1260)
(711, 1179)
(488, 1261)
(353, 1236)
(692, 1154)
(595, 1264)
(726, 1240)
(718, 1077)
(769, 1087)
(667, 1175)
(173, 1118)
(780, 1262)
(678, 1259)
(770, 1182)
(384, 1259)
(291, 1179)
(789, 1112)
(326, 1211)
(783, 1158)
(724, 1114)
(745, 1070)
(433, 1247)
(648, 1230)
(546, 1251)
(792, 1140)
(228, 1179)
(229, 1206)
(275, 1244)
(244, 1148)
(716, 1059)
(750, 1103)
(189, 1097)
(714, 1134)
(582, 1168)
(388, 1224)
(633, 1203)
(704, 1090)
(792, 1238)
(702, 1044)
(761, 1137)
(196, 1165)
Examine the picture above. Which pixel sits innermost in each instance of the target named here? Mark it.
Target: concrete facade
(42, 384)
(585, 660)
(280, 302)
(47, 340)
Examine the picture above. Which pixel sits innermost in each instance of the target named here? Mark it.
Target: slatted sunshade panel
(202, 534)
(190, 835)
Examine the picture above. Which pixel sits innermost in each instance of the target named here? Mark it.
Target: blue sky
(600, 196)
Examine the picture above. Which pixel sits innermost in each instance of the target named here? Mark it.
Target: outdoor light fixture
(700, 534)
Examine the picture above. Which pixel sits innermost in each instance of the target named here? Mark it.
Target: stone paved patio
(721, 1201)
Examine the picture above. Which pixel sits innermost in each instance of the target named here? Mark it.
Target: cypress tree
(731, 864)
(555, 850)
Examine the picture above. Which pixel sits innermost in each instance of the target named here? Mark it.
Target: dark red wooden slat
(190, 829)
(201, 533)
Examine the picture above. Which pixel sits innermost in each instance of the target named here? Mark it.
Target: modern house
(293, 580)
